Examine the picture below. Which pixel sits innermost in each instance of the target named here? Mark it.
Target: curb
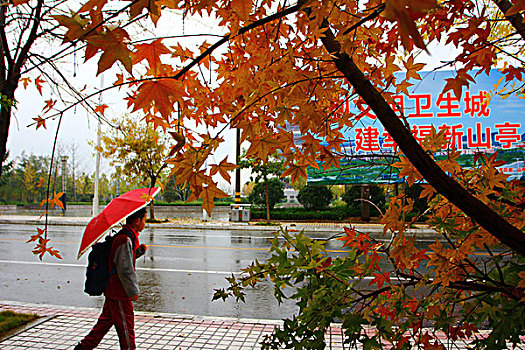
(376, 230)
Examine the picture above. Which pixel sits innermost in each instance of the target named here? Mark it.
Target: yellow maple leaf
(412, 68)
(408, 170)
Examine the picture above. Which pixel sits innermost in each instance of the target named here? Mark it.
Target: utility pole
(63, 159)
(97, 158)
(238, 170)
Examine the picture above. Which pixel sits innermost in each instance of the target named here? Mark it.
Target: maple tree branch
(5, 43)
(226, 38)
(29, 42)
(516, 20)
(433, 174)
(474, 286)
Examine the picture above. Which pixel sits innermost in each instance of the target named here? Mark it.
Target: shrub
(315, 197)
(275, 193)
(302, 214)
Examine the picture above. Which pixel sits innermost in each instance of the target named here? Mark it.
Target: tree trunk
(267, 201)
(153, 180)
(5, 120)
(432, 173)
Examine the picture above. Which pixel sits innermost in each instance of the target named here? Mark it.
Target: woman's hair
(138, 214)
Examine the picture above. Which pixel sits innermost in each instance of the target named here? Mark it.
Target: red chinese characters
(367, 139)
(507, 134)
(476, 105)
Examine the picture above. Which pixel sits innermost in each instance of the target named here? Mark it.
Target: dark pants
(116, 312)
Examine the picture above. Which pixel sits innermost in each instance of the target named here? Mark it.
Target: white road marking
(138, 268)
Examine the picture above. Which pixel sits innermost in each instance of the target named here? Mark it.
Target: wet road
(177, 275)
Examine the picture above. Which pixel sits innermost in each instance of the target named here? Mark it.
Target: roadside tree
(315, 197)
(267, 194)
(140, 150)
(264, 172)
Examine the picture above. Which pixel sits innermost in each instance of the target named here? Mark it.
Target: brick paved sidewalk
(62, 327)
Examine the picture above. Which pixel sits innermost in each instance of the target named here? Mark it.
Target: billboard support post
(365, 206)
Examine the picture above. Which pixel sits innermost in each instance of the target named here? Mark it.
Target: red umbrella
(117, 210)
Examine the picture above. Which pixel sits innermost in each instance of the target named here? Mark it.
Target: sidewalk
(62, 327)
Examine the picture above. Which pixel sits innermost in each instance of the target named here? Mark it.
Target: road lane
(178, 273)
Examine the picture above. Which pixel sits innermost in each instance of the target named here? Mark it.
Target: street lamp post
(117, 173)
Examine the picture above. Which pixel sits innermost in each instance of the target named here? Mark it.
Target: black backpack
(97, 274)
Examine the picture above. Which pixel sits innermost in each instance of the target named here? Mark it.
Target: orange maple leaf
(150, 52)
(412, 68)
(350, 236)
(403, 252)
(40, 182)
(101, 109)
(120, 80)
(91, 4)
(54, 200)
(54, 252)
(518, 6)
(37, 236)
(295, 171)
(20, 2)
(114, 49)
(38, 84)
(512, 72)
(147, 197)
(25, 81)
(180, 142)
(75, 26)
(40, 122)
(456, 84)
(49, 104)
(159, 94)
(138, 6)
(402, 12)
(40, 248)
(208, 193)
(242, 8)
(408, 170)
(380, 279)
(223, 167)
(328, 159)
(521, 283)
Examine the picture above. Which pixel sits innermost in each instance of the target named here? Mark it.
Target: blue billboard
(479, 121)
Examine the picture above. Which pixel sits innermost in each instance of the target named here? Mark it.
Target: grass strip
(10, 320)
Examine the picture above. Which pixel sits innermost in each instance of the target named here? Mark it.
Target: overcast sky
(78, 127)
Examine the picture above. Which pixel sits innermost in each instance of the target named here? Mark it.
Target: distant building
(291, 195)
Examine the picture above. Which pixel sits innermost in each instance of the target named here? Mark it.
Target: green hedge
(332, 214)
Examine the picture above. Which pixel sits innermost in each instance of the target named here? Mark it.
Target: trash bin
(235, 214)
(245, 214)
